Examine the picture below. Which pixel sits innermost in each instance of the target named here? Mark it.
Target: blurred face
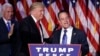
(7, 13)
(38, 13)
(64, 20)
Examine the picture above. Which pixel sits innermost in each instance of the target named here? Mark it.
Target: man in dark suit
(30, 29)
(68, 34)
(8, 32)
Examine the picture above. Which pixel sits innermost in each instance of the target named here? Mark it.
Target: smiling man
(69, 34)
(30, 29)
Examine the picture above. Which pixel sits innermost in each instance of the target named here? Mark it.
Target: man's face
(39, 11)
(7, 13)
(64, 20)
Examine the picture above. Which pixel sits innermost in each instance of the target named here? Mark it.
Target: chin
(9, 19)
(40, 18)
(65, 26)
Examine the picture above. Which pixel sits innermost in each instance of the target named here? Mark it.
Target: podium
(54, 50)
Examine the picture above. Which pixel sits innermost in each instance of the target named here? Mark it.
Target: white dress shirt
(68, 33)
(5, 21)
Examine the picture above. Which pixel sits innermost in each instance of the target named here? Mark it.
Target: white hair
(3, 8)
(6, 5)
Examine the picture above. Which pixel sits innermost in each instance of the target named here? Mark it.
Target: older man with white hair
(8, 31)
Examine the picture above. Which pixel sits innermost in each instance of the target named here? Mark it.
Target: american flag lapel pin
(74, 34)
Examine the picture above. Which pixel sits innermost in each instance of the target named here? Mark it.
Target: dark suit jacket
(29, 33)
(7, 45)
(78, 37)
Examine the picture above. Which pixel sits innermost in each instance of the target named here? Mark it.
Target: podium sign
(54, 50)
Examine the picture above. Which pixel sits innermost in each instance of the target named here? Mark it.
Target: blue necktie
(8, 26)
(64, 39)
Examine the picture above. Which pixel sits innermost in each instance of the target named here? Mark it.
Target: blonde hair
(35, 5)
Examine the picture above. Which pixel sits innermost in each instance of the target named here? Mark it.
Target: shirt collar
(34, 18)
(6, 20)
(68, 29)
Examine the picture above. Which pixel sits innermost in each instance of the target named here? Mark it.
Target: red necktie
(38, 26)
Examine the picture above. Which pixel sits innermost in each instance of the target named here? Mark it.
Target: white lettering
(68, 55)
(40, 54)
(54, 54)
(45, 49)
(38, 49)
(47, 54)
(53, 49)
(61, 54)
(70, 50)
(62, 49)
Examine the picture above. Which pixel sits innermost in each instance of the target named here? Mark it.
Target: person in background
(69, 34)
(30, 27)
(8, 32)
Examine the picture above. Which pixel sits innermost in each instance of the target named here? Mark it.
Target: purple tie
(64, 39)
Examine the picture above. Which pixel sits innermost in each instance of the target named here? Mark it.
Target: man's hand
(11, 31)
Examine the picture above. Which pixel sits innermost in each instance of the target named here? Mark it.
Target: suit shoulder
(57, 32)
(0, 19)
(78, 31)
(25, 20)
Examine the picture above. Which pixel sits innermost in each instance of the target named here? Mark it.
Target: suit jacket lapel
(33, 24)
(58, 36)
(3, 24)
(73, 36)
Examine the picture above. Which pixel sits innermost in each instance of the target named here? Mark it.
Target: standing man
(68, 34)
(8, 32)
(30, 28)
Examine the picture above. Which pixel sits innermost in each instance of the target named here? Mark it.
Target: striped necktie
(64, 39)
(8, 26)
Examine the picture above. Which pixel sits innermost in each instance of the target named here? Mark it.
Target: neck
(66, 27)
(6, 19)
